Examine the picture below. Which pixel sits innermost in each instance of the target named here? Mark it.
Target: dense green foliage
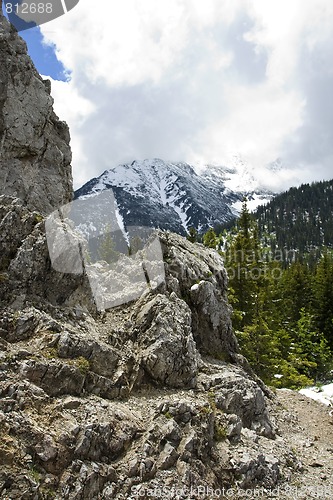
(283, 309)
(300, 219)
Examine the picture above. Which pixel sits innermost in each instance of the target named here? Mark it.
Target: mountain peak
(176, 195)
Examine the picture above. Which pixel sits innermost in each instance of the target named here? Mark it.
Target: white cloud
(259, 119)
(192, 80)
(76, 110)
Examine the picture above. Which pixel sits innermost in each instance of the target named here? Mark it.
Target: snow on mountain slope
(176, 196)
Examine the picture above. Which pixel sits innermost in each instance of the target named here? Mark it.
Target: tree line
(282, 304)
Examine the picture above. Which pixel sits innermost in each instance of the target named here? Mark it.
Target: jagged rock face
(197, 274)
(152, 393)
(106, 405)
(26, 274)
(34, 144)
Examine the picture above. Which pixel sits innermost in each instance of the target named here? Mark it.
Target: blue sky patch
(43, 55)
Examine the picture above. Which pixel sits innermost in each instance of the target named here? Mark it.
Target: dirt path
(307, 427)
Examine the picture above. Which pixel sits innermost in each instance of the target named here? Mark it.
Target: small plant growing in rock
(211, 400)
(38, 218)
(220, 432)
(205, 410)
(35, 474)
(9, 357)
(48, 493)
(16, 316)
(51, 353)
(83, 365)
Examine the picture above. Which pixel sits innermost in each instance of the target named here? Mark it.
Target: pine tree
(192, 235)
(260, 347)
(245, 269)
(323, 293)
(296, 291)
(210, 239)
(311, 347)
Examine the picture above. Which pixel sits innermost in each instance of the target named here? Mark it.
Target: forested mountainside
(300, 219)
(282, 303)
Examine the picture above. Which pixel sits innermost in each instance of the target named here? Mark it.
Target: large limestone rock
(151, 394)
(34, 144)
(148, 396)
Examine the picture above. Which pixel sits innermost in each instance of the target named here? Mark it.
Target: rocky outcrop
(143, 400)
(151, 394)
(34, 144)
(26, 273)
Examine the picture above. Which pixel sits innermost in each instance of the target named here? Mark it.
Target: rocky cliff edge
(148, 399)
(35, 155)
(150, 395)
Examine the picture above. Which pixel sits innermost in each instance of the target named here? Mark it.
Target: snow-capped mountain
(175, 196)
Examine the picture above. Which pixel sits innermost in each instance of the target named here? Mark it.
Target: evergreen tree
(259, 346)
(311, 347)
(323, 293)
(245, 269)
(296, 291)
(192, 235)
(210, 239)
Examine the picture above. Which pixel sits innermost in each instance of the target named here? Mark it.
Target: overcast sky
(197, 81)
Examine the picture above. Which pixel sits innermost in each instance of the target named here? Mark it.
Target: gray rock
(103, 359)
(46, 449)
(34, 145)
(165, 337)
(197, 275)
(240, 396)
(168, 457)
(54, 377)
(25, 270)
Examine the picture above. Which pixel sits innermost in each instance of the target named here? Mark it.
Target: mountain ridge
(175, 195)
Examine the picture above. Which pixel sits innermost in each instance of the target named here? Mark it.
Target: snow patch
(323, 394)
(252, 203)
(120, 223)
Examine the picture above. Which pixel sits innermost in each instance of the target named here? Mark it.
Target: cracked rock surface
(146, 398)
(35, 155)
